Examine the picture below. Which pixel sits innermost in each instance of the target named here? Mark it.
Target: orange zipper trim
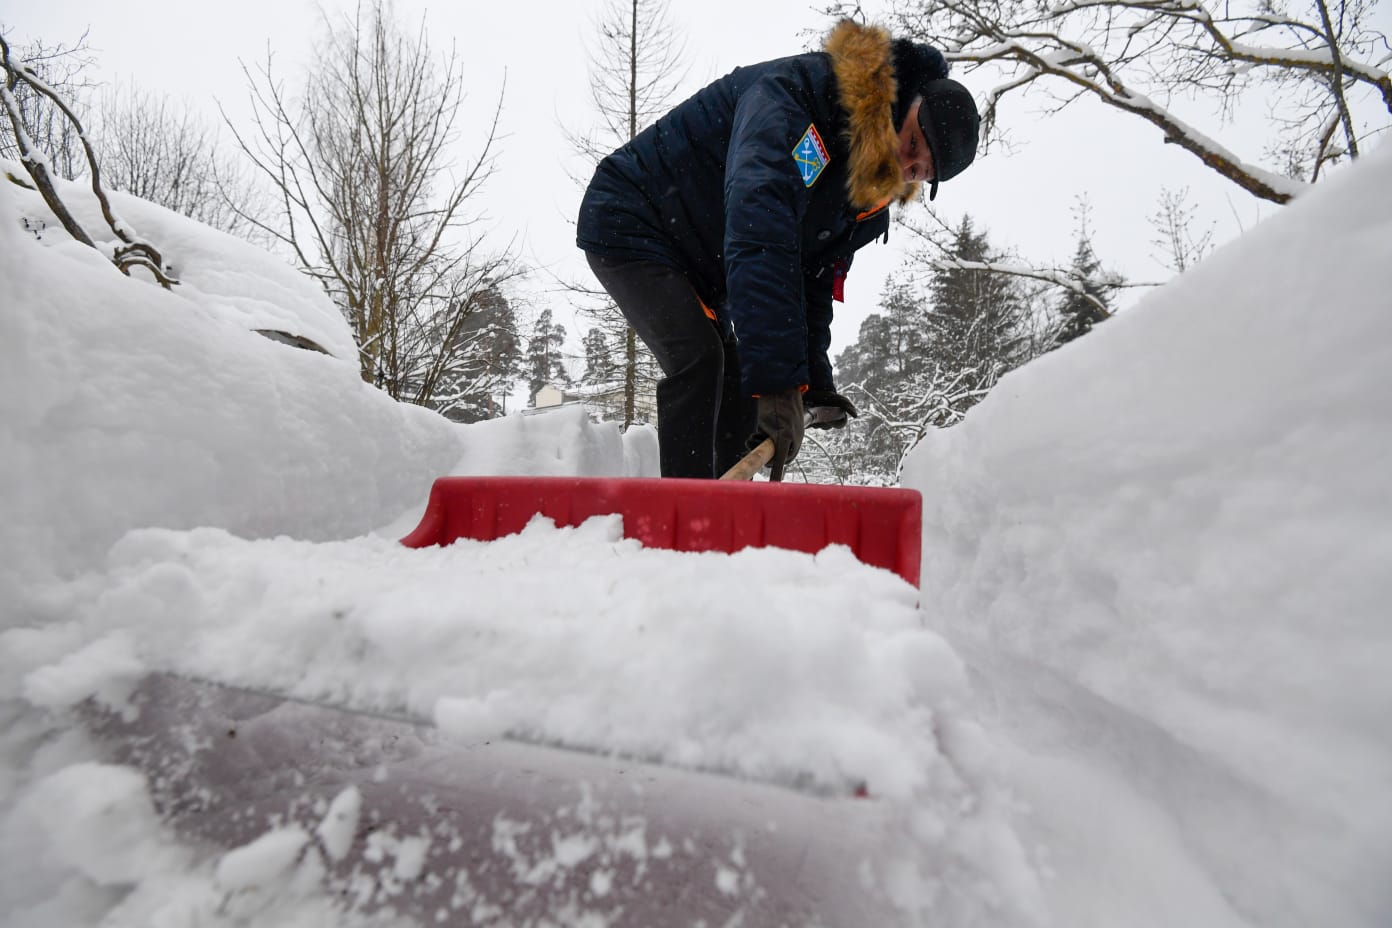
(860, 217)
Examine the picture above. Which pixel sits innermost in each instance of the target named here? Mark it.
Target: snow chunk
(340, 823)
(107, 669)
(264, 861)
(99, 820)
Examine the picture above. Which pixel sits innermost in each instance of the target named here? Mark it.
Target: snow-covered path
(819, 677)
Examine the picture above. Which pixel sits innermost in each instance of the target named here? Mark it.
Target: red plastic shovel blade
(881, 526)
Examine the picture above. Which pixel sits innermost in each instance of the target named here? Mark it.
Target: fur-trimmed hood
(863, 61)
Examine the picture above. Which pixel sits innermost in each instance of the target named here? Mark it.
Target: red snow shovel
(880, 525)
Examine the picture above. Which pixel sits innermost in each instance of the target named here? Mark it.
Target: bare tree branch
(1136, 55)
(133, 252)
(162, 152)
(63, 67)
(635, 70)
(369, 203)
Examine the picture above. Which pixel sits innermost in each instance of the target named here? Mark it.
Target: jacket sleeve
(817, 289)
(765, 201)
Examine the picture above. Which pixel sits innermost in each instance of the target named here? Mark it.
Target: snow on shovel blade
(393, 816)
(882, 526)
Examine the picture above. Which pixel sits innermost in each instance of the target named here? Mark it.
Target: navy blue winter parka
(759, 189)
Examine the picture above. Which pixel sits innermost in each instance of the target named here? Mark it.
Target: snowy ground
(1146, 684)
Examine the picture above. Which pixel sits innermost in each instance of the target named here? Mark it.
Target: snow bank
(1187, 515)
(123, 405)
(220, 276)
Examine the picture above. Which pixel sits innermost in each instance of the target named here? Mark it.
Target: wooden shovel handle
(751, 463)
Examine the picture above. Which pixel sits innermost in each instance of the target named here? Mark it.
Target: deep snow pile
(127, 405)
(1181, 527)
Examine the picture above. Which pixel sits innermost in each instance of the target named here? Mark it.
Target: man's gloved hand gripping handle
(780, 417)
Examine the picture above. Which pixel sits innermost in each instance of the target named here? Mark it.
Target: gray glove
(829, 409)
(780, 417)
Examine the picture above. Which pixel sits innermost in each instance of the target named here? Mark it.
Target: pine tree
(545, 355)
(976, 313)
(488, 364)
(890, 353)
(891, 344)
(928, 356)
(1088, 304)
(601, 367)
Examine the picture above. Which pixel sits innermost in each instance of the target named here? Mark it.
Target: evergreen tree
(545, 355)
(928, 356)
(976, 314)
(1088, 304)
(892, 344)
(488, 364)
(890, 353)
(601, 367)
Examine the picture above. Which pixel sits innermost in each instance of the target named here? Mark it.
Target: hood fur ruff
(864, 67)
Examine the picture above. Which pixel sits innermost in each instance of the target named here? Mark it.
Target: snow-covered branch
(1140, 55)
(133, 252)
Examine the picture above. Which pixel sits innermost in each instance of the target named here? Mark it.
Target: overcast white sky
(1025, 198)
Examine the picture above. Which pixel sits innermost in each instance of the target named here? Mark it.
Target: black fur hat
(914, 66)
(948, 116)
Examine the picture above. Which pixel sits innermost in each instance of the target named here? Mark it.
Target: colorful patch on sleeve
(811, 156)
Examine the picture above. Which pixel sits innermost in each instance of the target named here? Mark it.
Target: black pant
(703, 418)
